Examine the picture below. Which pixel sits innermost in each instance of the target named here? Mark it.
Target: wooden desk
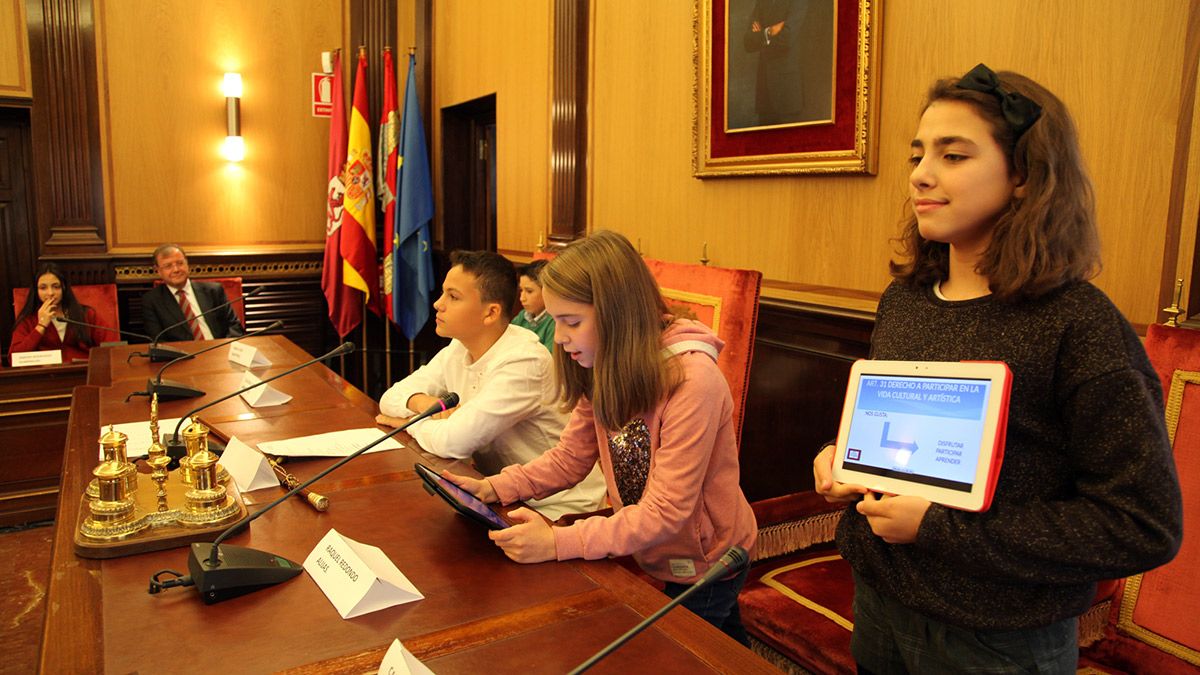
(481, 613)
(33, 427)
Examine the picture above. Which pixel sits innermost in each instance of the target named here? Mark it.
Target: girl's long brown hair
(1047, 237)
(630, 374)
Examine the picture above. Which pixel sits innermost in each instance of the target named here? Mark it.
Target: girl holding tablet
(997, 253)
(649, 404)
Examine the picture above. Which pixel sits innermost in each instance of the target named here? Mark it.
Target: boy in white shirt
(504, 377)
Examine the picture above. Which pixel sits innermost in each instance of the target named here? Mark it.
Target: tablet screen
(461, 499)
(921, 429)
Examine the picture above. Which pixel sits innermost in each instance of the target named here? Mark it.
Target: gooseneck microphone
(175, 447)
(159, 353)
(110, 329)
(733, 561)
(169, 390)
(220, 573)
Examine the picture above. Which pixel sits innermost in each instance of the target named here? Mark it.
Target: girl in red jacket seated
(39, 325)
(649, 404)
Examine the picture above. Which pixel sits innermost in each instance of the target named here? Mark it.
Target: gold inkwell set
(123, 512)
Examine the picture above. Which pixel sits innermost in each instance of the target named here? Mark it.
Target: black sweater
(1088, 489)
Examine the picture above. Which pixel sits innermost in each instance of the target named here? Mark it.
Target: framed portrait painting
(786, 87)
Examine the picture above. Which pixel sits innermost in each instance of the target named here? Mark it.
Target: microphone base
(161, 353)
(240, 571)
(170, 390)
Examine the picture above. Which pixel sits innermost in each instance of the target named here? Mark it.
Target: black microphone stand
(224, 573)
(170, 390)
(733, 561)
(175, 447)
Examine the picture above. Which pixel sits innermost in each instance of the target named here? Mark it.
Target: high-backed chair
(102, 298)
(1153, 626)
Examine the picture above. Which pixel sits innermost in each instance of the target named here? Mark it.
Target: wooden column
(68, 190)
(568, 123)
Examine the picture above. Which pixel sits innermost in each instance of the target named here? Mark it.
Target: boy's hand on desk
(529, 541)
(894, 519)
(480, 487)
(389, 421)
(826, 486)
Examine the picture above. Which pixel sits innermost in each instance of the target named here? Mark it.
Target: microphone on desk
(169, 390)
(159, 353)
(110, 329)
(222, 573)
(733, 561)
(175, 447)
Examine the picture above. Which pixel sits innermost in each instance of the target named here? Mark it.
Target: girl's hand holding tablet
(530, 540)
(894, 519)
(481, 488)
(826, 486)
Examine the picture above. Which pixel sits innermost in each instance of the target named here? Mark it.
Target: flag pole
(387, 346)
(366, 316)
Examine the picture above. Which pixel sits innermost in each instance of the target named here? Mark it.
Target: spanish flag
(360, 269)
(345, 303)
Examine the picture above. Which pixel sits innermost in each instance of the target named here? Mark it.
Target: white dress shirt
(191, 296)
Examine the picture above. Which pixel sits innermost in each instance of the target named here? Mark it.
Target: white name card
(261, 396)
(247, 356)
(357, 578)
(248, 467)
(45, 358)
(399, 661)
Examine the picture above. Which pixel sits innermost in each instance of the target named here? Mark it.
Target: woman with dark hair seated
(40, 325)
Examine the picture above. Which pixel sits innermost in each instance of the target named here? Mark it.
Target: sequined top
(672, 475)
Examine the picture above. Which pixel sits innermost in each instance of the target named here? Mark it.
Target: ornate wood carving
(69, 191)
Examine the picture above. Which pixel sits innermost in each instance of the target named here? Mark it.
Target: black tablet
(462, 501)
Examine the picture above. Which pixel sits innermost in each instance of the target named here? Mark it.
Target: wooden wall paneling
(14, 54)
(1177, 213)
(801, 365)
(162, 65)
(483, 48)
(34, 405)
(69, 186)
(17, 228)
(825, 239)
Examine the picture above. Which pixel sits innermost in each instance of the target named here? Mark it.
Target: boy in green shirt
(534, 316)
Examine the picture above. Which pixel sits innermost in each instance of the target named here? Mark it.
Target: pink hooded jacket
(692, 508)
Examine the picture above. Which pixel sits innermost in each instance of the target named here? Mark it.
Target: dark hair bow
(1019, 111)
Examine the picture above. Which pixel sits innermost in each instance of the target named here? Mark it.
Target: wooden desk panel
(482, 612)
(34, 406)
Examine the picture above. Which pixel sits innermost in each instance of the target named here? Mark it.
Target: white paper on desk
(357, 578)
(399, 661)
(261, 396)
(332, 444)
(248, 466)
(139, 435)
(48, 357)
(245, 355)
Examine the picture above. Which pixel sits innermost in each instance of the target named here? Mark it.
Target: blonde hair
(630, 374)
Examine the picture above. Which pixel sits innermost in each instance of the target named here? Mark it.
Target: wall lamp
(234, 148)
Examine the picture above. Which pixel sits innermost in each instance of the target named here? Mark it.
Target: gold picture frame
(812, 70)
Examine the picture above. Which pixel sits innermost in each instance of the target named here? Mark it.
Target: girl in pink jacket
(649, 404)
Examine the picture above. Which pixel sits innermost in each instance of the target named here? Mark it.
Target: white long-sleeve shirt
(507, 412)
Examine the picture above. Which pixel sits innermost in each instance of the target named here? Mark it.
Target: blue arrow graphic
(895, 445)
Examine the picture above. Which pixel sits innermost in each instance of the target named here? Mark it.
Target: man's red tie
(187, 314)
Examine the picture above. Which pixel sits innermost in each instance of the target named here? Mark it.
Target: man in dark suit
(178, 298)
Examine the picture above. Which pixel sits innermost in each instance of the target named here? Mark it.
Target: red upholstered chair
(233, 291)
(1153, 626)
(725, 300)
(100, 297)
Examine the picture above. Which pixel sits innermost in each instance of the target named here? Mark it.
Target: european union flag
(412, 278)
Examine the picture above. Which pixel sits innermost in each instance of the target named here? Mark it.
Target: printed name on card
(357, 578)
(247, 356)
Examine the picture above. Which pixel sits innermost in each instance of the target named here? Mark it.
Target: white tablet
(927, 428)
